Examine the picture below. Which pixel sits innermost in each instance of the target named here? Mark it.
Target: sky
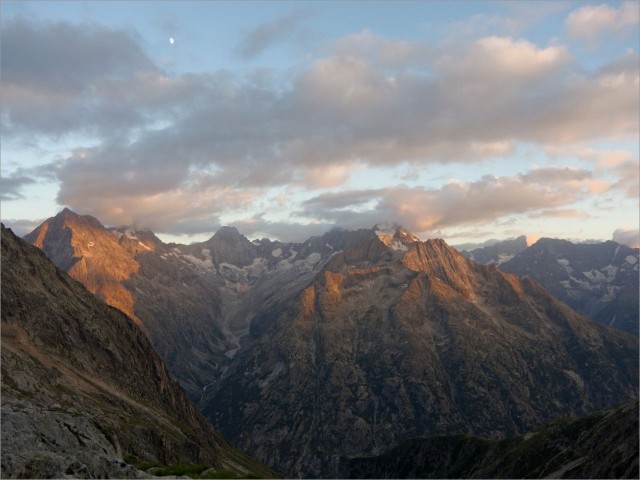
(460, 120)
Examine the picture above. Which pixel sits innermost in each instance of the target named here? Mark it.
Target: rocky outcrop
(386, 344)
(82, 387)
(600, 445)
(44, 442)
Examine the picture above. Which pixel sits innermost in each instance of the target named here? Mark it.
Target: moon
(171, 40)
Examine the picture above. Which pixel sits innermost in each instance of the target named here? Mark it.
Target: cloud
(256, 226)
(560, 213)
(627, 236)
(12, 186)
(381, 50)
(61, 78)
(267, 34)
(22, 226)
(618, 163)
(456, 203)
(177, 148)
(628, 173)
(593, 22)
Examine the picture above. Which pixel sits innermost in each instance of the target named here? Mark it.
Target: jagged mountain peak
(395, 236)
(73, 220)
(228, 233)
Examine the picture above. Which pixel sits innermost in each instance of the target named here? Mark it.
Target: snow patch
(631, 260)
(612, 290)
(595, 276)
(565, 264)
(504, 257)
(398, 246)
(202, 265)
(143, 245)
(610, 271)
(313, 258)
(277, 252)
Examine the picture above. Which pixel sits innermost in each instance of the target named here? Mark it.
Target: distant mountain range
(497, 253)
(396, 339)
(352, 342)
(84, 395)
(599, 280)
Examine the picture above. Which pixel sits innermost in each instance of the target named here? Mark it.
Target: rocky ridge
(82, 388)
(355, 341)
(600, 445)
(195, 302)
(386, 343)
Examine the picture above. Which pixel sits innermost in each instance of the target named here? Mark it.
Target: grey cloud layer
(457, 203)
(169, 144)
(12, 186)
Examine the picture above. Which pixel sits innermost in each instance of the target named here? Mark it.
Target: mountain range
(396, 340)
(349, 343)
(84, 394)
(599, 280)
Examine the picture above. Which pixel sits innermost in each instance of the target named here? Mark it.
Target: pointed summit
(93, 255)
(227, 245)
(395, 236)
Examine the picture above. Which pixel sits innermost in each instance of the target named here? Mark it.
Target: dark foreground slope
(600, 445)
(399, 339)
(82, 387)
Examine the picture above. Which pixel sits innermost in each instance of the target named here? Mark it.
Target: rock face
(391, 340)
(82, 387)
(599, 280)
(601, 445)
(172, 297)
(196, 302)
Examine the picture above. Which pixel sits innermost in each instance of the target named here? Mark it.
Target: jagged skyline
(467, 121)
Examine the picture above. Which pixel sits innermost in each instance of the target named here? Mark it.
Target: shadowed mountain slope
(600, 445)
(82, 387)
(391, 341)
(599, 280)
(196, 302)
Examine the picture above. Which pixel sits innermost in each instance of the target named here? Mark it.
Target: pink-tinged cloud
(627, 236)
(595, 21)
(180, 148)
(457, 203)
